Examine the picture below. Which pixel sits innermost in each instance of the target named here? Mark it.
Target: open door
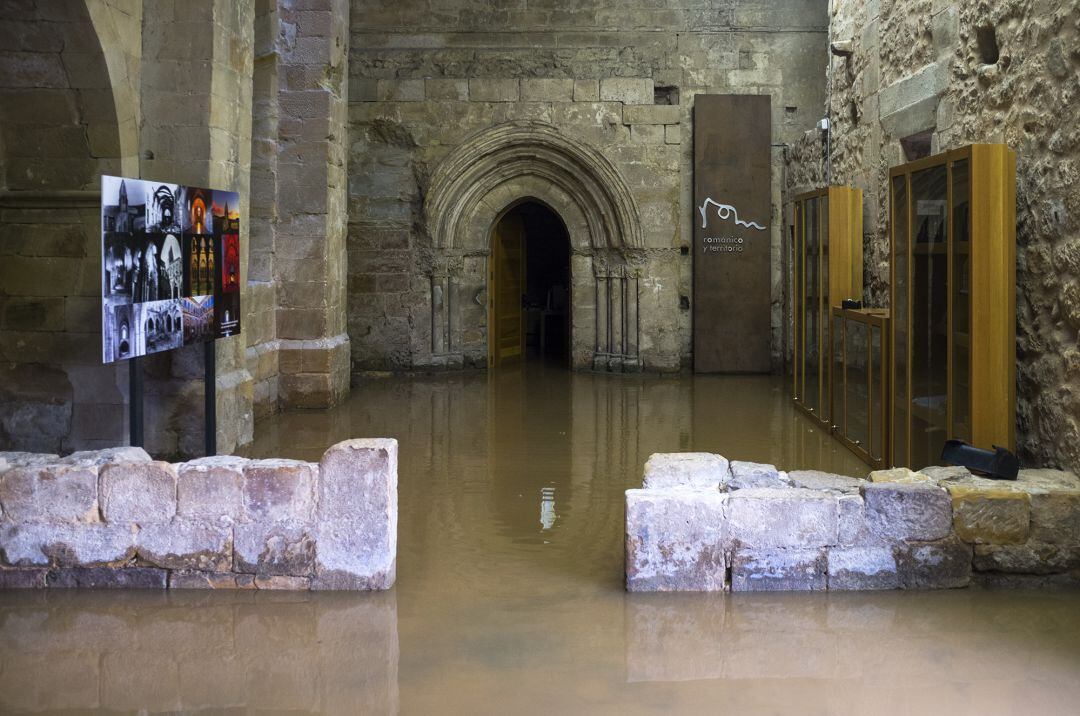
(506, 284)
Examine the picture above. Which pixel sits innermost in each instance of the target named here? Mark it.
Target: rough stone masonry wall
(1005, 71)
(701, 523)
(115, 518)
(426, 76)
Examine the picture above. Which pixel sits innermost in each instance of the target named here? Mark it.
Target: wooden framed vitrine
(860, 384)
(953, 290)
(828, 267)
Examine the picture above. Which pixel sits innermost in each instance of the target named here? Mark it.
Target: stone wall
(961, 73)
(701, 523)
(115, 518)
(436, 90)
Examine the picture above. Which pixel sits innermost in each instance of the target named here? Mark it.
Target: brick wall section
(309, 259)
(922, 65)
(115, 518)
(424, 77)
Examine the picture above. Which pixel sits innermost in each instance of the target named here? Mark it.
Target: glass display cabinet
(953, 301)
(859, 382)
(828, 267)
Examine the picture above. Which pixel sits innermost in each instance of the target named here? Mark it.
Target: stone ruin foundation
(702, 523)
(117, 518)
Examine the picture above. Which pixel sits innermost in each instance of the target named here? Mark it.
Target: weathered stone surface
(275, 549)
(18, 458)
(205, 580)
(295, 584)
(782, 518)
(628, 90)
(818, 480)
(357, 526)
(107, 455)
(211, 488)
(1048, 479)
(279, 490)
(747, 475)
(675, 540)
(868, 567)
(50, 493)
(852, 527)
(907, 511)
(71, 545)
(945, 564)
(185, 545)
(939, 474)
(998, 515)
(898, 474)
(22, 578)
(140, 492)
(701, 470)
(108, 578)
(1055, 516)
(1032, 557)
(764, 570)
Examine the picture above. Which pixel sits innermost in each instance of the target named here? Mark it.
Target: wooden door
(506, 284)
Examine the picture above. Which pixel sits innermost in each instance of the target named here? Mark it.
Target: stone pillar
(309, 261)
(196, 86)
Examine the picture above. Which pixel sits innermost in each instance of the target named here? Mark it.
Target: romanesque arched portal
(491, 172)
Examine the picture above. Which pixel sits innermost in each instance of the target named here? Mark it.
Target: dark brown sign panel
(732, 233)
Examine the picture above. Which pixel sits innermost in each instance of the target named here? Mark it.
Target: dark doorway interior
(546, 303)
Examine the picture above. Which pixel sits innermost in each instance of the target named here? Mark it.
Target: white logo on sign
(725, 212)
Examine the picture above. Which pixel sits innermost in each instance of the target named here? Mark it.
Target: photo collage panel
(170, 266)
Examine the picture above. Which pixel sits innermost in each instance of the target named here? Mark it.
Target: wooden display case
(860, 385)
(953, 353)
(828, 267)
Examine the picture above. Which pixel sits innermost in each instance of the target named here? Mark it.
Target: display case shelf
(952, 233)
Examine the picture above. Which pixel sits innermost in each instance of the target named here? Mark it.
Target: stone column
(309, 265)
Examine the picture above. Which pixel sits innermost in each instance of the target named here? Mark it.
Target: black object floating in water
(998, 464)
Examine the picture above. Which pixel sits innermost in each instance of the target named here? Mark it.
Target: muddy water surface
(509, 595)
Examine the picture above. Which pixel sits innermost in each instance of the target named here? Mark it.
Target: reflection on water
(509, 595)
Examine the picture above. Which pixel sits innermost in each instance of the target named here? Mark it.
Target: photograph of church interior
(540, 356)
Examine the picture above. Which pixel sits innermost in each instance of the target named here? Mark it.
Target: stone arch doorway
(529, 279)
(473, 187)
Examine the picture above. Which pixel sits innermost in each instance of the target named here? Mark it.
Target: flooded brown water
(509, 595)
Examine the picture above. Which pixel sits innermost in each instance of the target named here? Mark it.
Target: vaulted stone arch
(485, 177)
(477, 180)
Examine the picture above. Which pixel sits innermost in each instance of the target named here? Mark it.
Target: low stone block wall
(117, 518)
(702, 523)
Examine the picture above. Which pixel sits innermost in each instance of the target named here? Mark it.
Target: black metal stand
(210, 395)
(135, 402)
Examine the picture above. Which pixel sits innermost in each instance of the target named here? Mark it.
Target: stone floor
(510, 592)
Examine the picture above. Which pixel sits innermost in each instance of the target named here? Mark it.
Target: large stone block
(108, 578)
(901, 475)
(702, 470)
(102, 457)
(771, 570)
(945, 564)
(853, 529)
(356, 545)
(71, 545)
(50, 493)
(275, 549)
(867, 567)
(182, 579)
(675, 540)
(628, 90)
(997, 515)
(746, 475)
(1055, 516)
(279, 490)
(186, 545)
(211, 487)
(1048, 479)
(908, 511)
(782, 518)
(140, 492)
(1032, 557)
(818, 480)
(22, 578)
